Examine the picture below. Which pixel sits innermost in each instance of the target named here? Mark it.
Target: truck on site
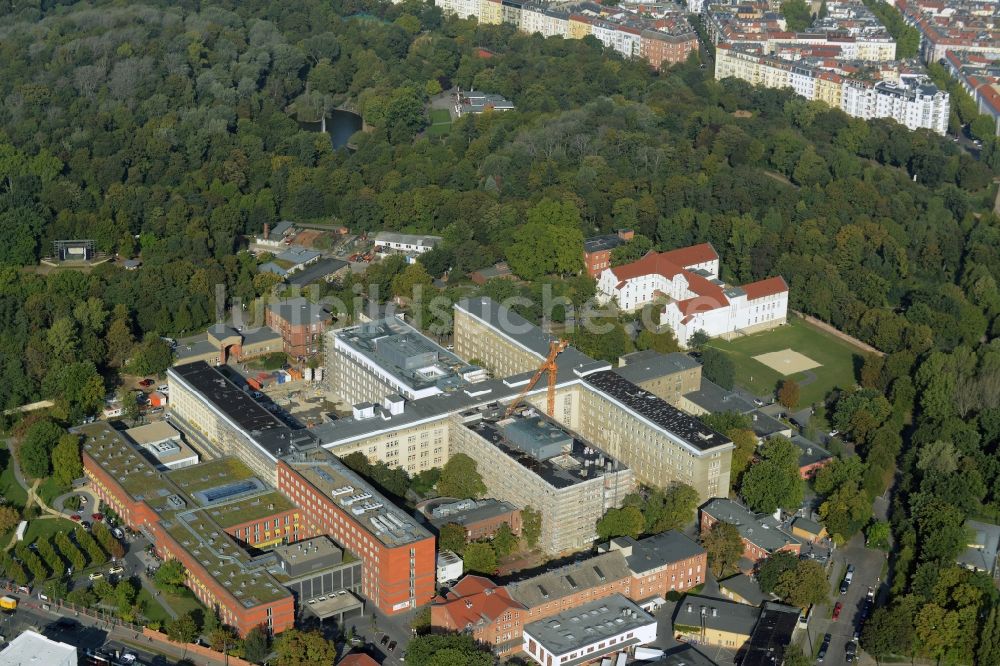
(8, 603)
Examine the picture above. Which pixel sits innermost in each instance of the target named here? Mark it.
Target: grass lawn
(10, 488)
(47, 527)
(836, 358)
(268, 362)
(440, 122)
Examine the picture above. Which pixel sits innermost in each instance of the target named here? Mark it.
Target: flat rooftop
(410, 357)
(658, 412)
(657, 550)
(468, 512)
(714, 399)
(642, 366)
(232, 402)
(695, 610)
(590, 623)
(576, 462)
(309, 556)
(198, 345)
(156, 431)
(172, 496)
(771, 636)
(367, 506)
(300, 311)
(570, 579)
(30, 647)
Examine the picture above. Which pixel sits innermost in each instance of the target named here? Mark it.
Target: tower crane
(549, 365)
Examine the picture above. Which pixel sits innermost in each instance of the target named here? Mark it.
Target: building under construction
(528, 459)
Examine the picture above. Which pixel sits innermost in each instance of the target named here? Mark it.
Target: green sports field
(837, 360)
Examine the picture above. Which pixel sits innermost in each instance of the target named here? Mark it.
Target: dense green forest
(168, 131)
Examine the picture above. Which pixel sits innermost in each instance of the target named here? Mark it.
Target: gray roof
(765, 425)
(720, 614)
(771, 636)
(588, 624)
(570, 579)
(299, 311)
(686, 655)
(271, 267)
(684, 428)
(714, 399)
(762, 530)
(982, 551)
(298, 255)
(806, 524)
(657, 550)
(470, 511)
(809, 452)
(746, 587)
(643, 366)
(605, 242)
(316, 271)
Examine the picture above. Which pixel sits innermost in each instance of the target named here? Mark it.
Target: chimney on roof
(267, 230)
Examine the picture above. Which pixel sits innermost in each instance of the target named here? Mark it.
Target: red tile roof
(472, 599)
(357, 659)
(767, 287)
(667, 264)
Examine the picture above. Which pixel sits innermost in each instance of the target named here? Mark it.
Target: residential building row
(910, 100)
(694, 299)
(660, 35)
(643, 572)
(980, 76)
(849, 31)
(970, 26)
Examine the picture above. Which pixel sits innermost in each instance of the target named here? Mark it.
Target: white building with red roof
(696, 299)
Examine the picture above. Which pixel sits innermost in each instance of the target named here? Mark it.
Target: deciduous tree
(724, 546)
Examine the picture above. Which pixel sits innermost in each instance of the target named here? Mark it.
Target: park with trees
(169, 131)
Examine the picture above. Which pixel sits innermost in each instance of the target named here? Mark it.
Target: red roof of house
(767, 287)
(667, 264)
(357, 659)
(472, 599)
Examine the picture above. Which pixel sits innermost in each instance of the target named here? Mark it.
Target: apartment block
(529, 460)
(369, 362)
(667, 376)
(661, 444)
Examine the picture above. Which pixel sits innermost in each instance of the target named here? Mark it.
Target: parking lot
(867, 573)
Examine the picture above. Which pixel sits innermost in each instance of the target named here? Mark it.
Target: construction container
(307, 374)
(294, 374)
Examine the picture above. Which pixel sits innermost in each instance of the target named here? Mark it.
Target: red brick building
(597, 250)
(398, 553)
(644, 571)
(219, 572)
(479, 518)
(662, 49)
(301, 324)
(762, 535)
(476, 605)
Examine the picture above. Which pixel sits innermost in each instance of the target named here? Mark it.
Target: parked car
(96, 575)
(824, 647)
(83, 500)
(392, 646)
(836, 610)
(384, 641)
(848, 578)
(116, 570)
(75, 517)
(146, 383)
(851, 651)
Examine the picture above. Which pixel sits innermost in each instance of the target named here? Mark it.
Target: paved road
(85, 632)
(867, 571)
